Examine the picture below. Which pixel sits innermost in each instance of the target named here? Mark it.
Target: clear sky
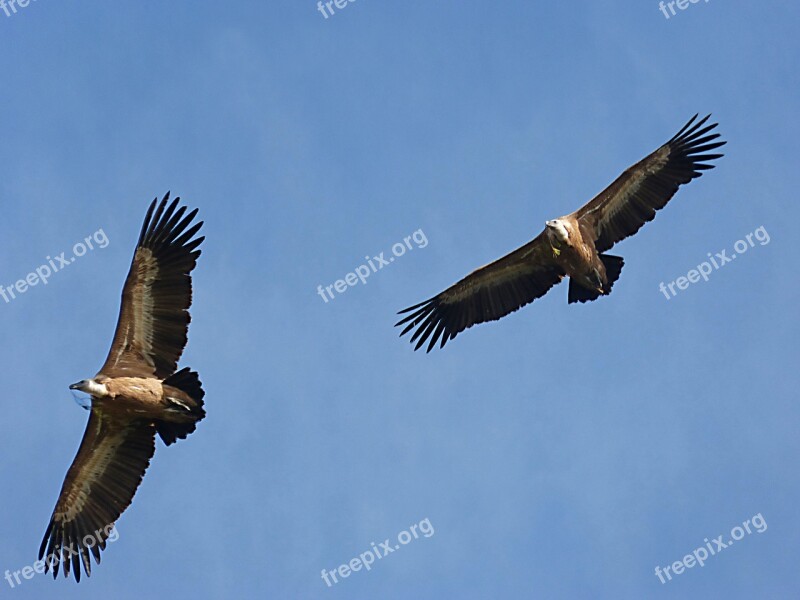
(562, 452)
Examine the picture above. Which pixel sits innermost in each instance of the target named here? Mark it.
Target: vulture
(137, 394)
(571, 246)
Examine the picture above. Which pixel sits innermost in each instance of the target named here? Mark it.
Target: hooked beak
(76, 386)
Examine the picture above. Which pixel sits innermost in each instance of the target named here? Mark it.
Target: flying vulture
(573, 245)
(137, 394)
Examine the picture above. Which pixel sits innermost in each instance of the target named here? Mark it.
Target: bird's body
(136, 397)
(571, 246)
(575, 253)
(138, 393)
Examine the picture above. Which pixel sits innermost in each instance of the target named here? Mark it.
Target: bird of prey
(571, 246)
(137, 393)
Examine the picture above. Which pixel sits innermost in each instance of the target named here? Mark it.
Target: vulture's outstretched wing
(487, 294)
(99, 486)
(633, 199)
(154, 316)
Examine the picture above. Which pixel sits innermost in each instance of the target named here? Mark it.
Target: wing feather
(487, 294)
(99, 486)
(634, 197)
(154, 317)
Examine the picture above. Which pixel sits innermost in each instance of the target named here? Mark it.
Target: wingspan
(487, 294)
(99, 486)
(633, 199)
(154, 316)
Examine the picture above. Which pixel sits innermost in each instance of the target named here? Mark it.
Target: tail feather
(613, 266)
(186, 381)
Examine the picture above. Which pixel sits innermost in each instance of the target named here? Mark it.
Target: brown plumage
(136, 395)
(571, 246)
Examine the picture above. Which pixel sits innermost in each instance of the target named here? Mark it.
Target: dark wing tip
(167, 225)
(65, 549)
(410, 308)
(690, 147)
(691, 128)
(429, 321)
(46, 538)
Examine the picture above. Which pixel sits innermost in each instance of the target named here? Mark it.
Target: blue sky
(562, 452)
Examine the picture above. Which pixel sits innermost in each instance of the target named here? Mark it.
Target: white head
(90, 386)
(557, 229)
